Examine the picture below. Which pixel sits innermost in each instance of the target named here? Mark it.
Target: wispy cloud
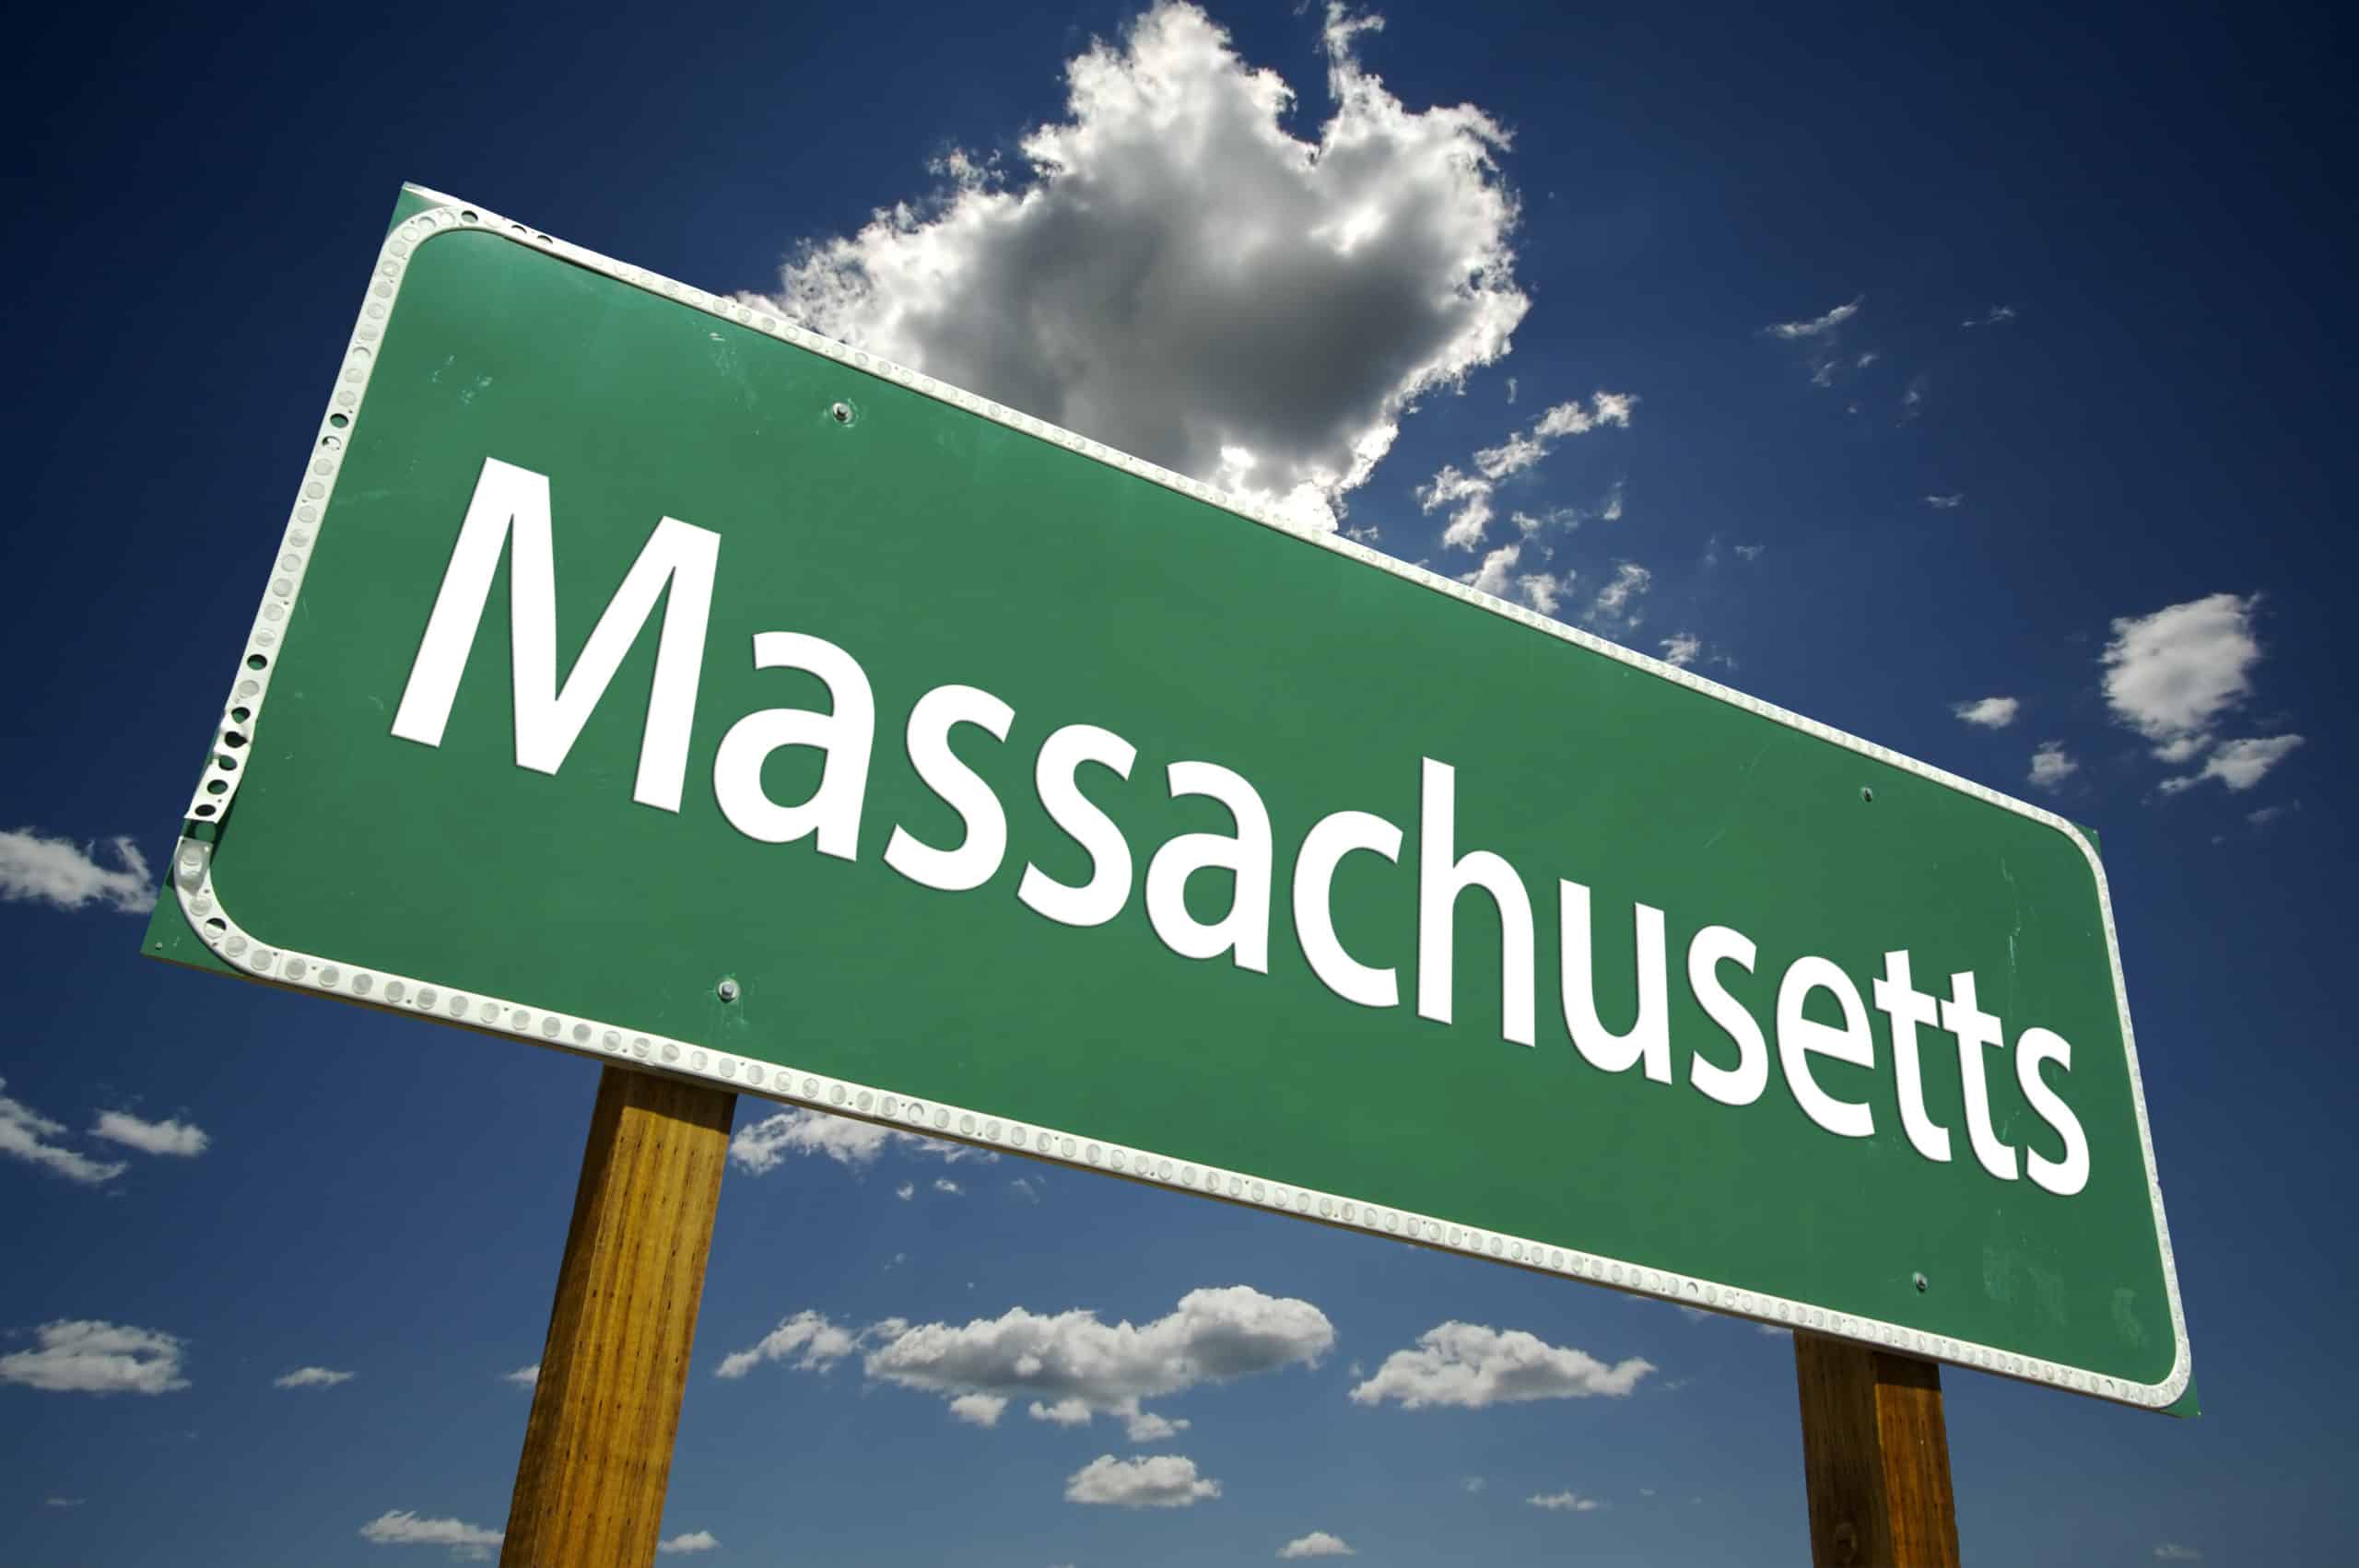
(762, 1147)
(1816, 326)
(1996, 316)
(311, 1377)
(469, 1543)
(1564, 1502)
(2239, 765)
(37, 869)
(1948, 503)
(1614, 607)
(26, 1134)
(1680, 648)
(1468, 498)
(523, 1377)
(1498, 577)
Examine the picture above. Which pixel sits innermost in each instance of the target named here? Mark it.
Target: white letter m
(547, 719)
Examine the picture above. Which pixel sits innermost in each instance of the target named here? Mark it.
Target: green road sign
(644, 676)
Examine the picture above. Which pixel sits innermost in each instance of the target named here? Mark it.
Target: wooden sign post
(598, 1444)
(1875, 1457)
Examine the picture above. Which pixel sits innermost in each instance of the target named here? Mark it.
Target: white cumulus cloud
(403, 1526)
(2050, 765)
(1156, 1481)
(1074, 1366)
(691, 1540)
(1989, 712)
(1472, 1366)
(979, 1409)
(26, 1134)
(2172, 674)
(1173, 271)
(1565, 1502)
(84, 1356)
(1317, 1543)
(523, 1377)
(1069, 1367)
(39, 868)
(151, 1137)
(311, 1377)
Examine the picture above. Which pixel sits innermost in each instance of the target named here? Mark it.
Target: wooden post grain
(1876, 1458)
(598, 1444)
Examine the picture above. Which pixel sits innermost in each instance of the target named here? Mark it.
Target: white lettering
(1100, 898)
(1798, 1037)
(978, 855)
(1246, 927)
(1442, 875)
(512, 501)
(845, 735)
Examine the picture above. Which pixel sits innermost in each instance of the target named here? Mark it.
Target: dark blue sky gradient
(2163, 193)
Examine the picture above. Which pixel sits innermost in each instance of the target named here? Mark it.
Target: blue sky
(1995, 356)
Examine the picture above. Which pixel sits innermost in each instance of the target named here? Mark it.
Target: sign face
(646, 677)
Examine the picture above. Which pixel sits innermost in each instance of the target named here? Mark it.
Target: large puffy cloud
(764, 1146)
(1069, 1367)
(37, 868)
(83, 1356)
(1469, 1366)
(1176, 274)
(1160, 1480)
(2172, 674)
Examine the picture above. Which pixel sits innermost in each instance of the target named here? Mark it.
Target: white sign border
(201, 902)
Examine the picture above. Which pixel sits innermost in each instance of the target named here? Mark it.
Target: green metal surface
(937, 547)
